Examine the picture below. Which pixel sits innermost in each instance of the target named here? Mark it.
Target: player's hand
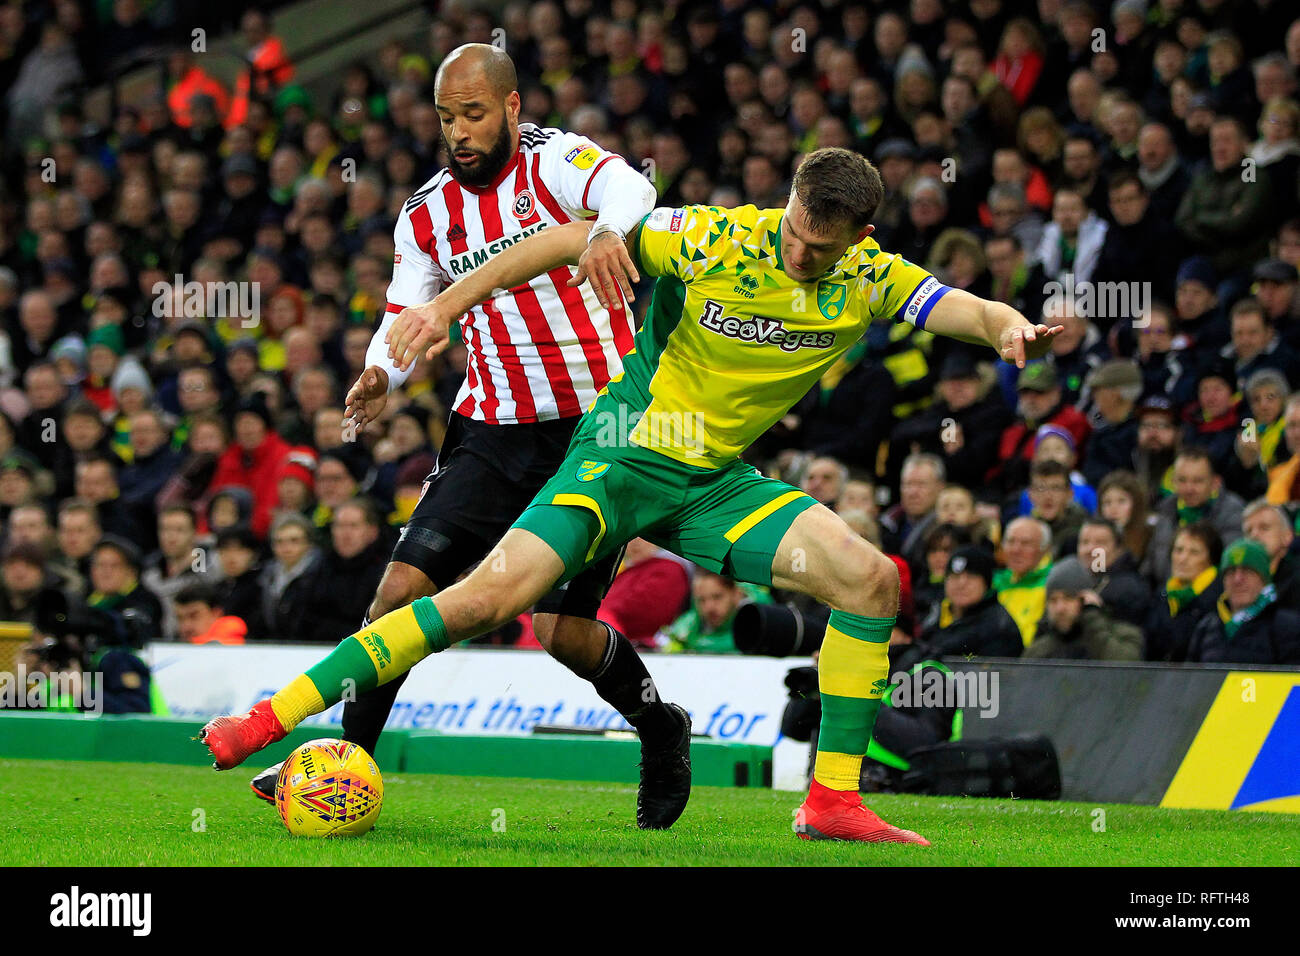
(367, 397)
(418, 328)
(1024, 342)
(606, 264)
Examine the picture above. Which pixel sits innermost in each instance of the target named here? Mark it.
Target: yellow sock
(296, 702)
(374, 655)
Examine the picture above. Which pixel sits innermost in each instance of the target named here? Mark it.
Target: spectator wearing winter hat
(1113, 390)
(1159, 440)
(230, 507)
(1076, 626)
(969, 621)
(253, 460)
(132, 393)
(955, 425)
(1277, 287)
(1201, 328)
(242, 365)
(295, 489)
(69, 357)
(1249, 626)
(105, 348)
(191, 347)
(940, 543)
(115, 565)
(1214, 422)
(1041, 402)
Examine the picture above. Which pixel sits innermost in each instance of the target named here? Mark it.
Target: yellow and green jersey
(731, 342)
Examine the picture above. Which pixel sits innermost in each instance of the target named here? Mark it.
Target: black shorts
(486, 475)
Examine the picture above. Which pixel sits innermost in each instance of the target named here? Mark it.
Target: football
(329, 787)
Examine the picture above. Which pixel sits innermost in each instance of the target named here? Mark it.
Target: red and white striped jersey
(541, 350)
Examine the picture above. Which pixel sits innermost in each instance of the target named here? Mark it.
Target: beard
(489, 164)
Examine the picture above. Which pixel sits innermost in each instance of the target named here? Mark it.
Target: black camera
(776, 630)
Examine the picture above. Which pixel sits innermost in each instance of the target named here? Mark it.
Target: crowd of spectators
(1129, 171)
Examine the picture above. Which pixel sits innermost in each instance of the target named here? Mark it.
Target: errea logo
(747, 285)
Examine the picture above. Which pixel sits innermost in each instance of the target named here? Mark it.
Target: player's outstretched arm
(427, 326)
(963, 316)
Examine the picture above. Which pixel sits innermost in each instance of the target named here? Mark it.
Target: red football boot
(233, 739)
(839, 815)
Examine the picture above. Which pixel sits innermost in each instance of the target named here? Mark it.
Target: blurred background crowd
(1130, 170)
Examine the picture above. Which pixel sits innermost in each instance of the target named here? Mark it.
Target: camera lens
(775, 630)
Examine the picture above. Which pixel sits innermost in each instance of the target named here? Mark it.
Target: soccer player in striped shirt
(751, 307)
(539, 352)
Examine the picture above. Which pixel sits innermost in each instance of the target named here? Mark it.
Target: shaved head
(482, 62)
(478, 106)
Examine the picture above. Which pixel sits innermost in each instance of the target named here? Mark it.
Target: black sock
(623, 682)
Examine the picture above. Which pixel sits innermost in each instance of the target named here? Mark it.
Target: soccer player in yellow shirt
(750, 308)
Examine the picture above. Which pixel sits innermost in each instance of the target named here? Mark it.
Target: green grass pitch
(66, 813)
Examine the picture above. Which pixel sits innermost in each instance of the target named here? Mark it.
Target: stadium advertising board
(487, 691)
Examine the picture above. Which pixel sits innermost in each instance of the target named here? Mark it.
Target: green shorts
(729, 520)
